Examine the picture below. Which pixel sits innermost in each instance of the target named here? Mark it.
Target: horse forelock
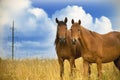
(75, 25)
(62, 23)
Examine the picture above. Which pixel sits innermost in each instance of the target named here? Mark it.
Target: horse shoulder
(95, 41)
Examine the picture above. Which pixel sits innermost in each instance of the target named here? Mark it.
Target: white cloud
(39, 13)
(9, 10)
(30, 52)
(30, 21)
(2, 53)
(101, 25)
(76, 13)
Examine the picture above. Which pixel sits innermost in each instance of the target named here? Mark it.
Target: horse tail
(117, 63)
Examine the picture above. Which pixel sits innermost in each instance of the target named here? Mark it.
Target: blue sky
(35, 26)
(94, 8)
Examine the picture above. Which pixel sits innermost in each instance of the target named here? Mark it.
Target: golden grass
(35, 69)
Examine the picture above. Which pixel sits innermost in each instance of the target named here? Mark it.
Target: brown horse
(64, 47)
(96, 48)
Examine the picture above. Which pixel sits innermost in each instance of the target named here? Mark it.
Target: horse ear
(65, 20)
(57, 20)
(72, 21)
(79, 22)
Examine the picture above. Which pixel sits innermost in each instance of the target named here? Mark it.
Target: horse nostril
(74, 41)
(62, 40)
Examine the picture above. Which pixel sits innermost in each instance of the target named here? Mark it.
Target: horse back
(112, 38)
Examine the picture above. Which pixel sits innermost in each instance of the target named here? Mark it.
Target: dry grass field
(43, 69)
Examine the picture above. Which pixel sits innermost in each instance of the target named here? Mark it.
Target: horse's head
(61, 30)
(75, 31)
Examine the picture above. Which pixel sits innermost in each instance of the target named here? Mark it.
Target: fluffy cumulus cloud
(36, 31)
(9, 10)
(101, 25)
(76, 13)
(33, 29)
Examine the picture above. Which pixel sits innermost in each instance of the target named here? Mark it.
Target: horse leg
(72, 64)
(61, 63)
(86, 67)
(89, 71)
(99, 68)
(117, 63)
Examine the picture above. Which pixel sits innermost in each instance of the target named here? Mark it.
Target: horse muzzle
(62, 40)
(74, 41)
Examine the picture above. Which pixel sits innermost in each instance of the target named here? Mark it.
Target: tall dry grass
(38, 69)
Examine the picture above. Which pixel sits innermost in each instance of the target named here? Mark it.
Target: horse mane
(91, 36)
(62, 23)
(91, 33)
(56, 40)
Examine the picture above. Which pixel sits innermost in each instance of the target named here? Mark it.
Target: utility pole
(13, 40)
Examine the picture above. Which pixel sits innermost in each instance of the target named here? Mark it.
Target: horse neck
(86, 38)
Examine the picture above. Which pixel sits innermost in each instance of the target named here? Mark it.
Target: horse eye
(78, 29)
